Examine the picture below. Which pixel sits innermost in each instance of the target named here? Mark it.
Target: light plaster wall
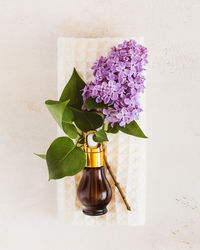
(28, 38)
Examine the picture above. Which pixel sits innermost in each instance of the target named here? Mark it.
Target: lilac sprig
(118, 82)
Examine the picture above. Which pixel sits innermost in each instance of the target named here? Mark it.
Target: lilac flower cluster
(118, 82)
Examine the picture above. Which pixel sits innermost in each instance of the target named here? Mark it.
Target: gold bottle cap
(94, 155)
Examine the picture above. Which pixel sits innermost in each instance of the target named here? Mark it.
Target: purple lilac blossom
(118, 81)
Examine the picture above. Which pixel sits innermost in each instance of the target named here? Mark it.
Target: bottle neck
(93, 151)
(94, 159)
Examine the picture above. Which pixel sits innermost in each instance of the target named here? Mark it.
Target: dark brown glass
(94, 191)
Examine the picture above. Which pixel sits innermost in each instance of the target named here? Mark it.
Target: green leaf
(100, 136)
(86, 121)
(60, 111)
(67, 115)
(64, 158)
(132, 129)
(70, 130)
(90, 103)
(42, 156)
(113, 129)
(63, 114)
(73, 89)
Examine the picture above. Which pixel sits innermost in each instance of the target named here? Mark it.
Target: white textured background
(28, 35)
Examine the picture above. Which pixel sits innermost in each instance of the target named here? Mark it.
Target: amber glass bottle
(94, 191)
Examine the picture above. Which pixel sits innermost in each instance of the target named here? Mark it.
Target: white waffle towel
(126, 154)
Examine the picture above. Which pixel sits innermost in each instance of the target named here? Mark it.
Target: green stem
(103, 125)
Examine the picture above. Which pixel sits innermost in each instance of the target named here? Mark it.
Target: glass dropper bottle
(94, 191)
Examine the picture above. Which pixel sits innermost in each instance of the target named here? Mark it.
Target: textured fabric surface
(126, 154)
